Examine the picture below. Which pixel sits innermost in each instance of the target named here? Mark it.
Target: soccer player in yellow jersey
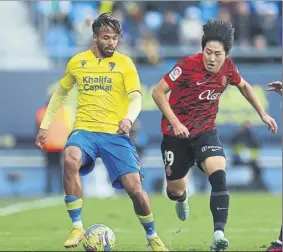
(109, 101)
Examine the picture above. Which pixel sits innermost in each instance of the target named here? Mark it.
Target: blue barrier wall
(28, 165)
(33, 182)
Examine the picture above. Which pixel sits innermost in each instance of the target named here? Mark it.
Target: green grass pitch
(254, 221)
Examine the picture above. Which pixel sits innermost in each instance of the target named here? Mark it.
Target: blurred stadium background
(38, 39)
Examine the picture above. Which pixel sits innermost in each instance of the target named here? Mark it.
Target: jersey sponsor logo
(211, 147)
(97, 83)
(99, 79)
(175, 73)
(209, 95)
(89, 87)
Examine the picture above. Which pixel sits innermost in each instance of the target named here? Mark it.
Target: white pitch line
(30, 205)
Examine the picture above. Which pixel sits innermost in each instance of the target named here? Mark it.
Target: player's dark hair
(105, 20)
(219, 31)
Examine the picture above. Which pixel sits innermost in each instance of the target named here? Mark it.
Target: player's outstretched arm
(135, 104)
(249, 93)
(67, 82)
(275, 86)
(159, 97)
(56, 101)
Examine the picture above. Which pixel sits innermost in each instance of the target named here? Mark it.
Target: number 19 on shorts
(169, 158)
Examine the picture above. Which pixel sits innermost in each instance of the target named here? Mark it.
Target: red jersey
(195, 93)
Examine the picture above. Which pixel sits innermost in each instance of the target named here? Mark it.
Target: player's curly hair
(105, 20)
(219, 31)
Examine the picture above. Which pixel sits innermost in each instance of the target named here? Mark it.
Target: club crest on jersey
(83, 62)
(111, 65)
(224, 80)
(168, 171)
(175, 73)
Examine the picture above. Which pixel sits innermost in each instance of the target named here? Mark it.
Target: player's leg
(121, 160)
(211, 159)
(177, 191)
(76, 159)
(219, 199)
(73, 198)
(131, 183)
(277, 245)
(178, 158)
(72, 164)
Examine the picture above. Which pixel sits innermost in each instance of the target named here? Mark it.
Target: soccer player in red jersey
(188, 122)
(277, 245)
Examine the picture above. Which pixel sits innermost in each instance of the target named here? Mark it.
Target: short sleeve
(235, 77)
(68, 80)
(131, 77)
(174, 75)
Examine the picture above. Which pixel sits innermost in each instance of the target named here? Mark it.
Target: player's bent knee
(72, 160)
(218, 180)
(174, 195)
(175, 189)
(131, 182)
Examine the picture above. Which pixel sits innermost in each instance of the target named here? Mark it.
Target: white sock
(151, 236)
(279, 242)
(218, 232)
(77, 224)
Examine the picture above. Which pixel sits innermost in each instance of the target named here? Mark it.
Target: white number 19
(169, 158)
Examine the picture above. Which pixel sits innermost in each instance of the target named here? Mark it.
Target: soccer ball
(99, 237)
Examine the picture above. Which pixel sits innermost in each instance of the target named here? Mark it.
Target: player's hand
(272, 125)
(275, 86)
(125, 126)
(40, 138)
(180, 130)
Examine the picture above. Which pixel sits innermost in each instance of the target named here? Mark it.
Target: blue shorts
(117, 152)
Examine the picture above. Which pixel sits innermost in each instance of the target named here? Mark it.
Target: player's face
(107, 41)
(213, 56)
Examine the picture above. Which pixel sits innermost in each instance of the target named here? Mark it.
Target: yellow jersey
(103, 88)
